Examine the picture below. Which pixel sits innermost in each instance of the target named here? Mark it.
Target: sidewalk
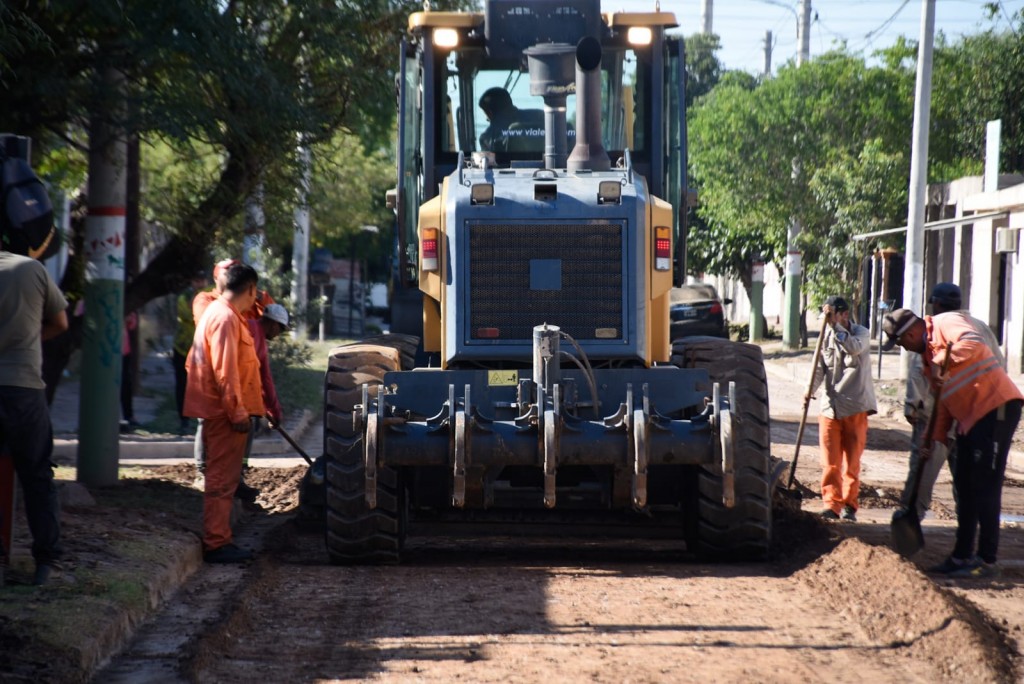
(156, 381)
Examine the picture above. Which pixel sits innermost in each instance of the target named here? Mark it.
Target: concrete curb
(65, 450)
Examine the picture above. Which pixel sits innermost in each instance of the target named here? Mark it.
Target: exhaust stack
(588, 153)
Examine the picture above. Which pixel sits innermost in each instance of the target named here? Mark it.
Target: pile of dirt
(279, 487)
(900, 608)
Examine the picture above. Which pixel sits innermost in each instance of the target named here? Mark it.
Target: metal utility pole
(300, 249)
(99, 408)
(705, 16)
(803, 32)
(767, 54)
(913, 270)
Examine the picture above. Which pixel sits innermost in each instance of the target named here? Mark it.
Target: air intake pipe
(551, 74)
(588, 153)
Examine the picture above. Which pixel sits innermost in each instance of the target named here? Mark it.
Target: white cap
(277, 313)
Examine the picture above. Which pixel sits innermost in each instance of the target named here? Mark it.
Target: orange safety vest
(976, 384)
(223, 371)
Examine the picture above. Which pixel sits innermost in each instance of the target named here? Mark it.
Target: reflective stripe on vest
(970, 373)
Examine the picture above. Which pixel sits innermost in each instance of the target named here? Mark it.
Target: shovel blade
(907, 537)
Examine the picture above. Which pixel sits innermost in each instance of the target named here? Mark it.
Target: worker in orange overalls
(985, 403)
(254, 313)
(224, 390)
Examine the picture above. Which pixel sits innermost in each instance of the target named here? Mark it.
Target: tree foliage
(769, 156)
(225, 88)
(828, 145)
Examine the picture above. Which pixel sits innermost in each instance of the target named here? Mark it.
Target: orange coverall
(223, 388)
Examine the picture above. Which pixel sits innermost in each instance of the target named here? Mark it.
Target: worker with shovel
(975, 391)
(848, 400)
(917, 407)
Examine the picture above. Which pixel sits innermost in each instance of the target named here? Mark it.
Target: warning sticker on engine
(503, 378)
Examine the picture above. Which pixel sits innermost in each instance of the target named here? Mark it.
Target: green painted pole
(757, 300)
(99, 410)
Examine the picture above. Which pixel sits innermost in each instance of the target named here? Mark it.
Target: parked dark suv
(697, 310)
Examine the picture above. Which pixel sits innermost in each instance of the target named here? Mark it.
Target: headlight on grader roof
(639, 35)
(446, 37)
(482, 193)
(609, 192)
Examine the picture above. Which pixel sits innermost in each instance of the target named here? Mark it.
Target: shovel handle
(807, 403)
(288, 438)
(927, 434)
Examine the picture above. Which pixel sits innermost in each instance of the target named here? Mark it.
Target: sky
(864, 25)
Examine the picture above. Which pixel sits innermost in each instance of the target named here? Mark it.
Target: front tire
(356, 533)
(743, 532)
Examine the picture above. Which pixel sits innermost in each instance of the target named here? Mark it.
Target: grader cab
(529, 379)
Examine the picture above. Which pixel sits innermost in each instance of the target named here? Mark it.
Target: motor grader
(529, 380)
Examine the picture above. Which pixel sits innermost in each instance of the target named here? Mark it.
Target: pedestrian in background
(984, 402)
(183, 334)
(32, 309)
(224, 390)
(917, 407)
(846, 402)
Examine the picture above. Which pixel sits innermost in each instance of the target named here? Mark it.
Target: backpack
(26, 213)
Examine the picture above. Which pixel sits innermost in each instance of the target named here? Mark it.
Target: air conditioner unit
(1007, 240)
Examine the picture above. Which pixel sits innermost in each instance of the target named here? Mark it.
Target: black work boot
(246, 493)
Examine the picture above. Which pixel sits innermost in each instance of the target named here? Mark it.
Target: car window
(692, 293)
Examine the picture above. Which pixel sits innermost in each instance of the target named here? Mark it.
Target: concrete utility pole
(756, 299)
(803, 32)
(767, 54)
(705, 16)
(300, 249)
(99, 408)
(794, 263)
(913, 270)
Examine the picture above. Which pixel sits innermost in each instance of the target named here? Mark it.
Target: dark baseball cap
(837, 303)
(895, 323)
(946, 295)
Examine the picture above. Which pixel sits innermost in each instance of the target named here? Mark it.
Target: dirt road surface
(834, 600)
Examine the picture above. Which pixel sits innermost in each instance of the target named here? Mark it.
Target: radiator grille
(591, 294)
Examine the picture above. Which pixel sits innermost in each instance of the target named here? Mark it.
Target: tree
(226, 86)
(978, 80)
(755, 155)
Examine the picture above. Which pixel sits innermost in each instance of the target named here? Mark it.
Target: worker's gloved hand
(841, 336)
